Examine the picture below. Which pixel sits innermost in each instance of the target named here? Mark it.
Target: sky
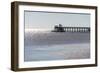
(47, 20)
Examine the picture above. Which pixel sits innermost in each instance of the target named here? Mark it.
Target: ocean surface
(47, 45)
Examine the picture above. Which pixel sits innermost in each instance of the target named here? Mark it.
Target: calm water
(46, 45)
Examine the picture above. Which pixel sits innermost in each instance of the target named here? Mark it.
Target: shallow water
(40, 46)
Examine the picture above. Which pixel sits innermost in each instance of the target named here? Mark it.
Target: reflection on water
(40, 46)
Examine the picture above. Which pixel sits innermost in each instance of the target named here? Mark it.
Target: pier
(60, 28)
(76, 29)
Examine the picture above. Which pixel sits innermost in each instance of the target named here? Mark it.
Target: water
(46, 45)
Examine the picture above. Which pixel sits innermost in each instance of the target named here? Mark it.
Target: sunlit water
(46, 45)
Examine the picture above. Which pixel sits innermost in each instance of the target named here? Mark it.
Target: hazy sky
(47, 20)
